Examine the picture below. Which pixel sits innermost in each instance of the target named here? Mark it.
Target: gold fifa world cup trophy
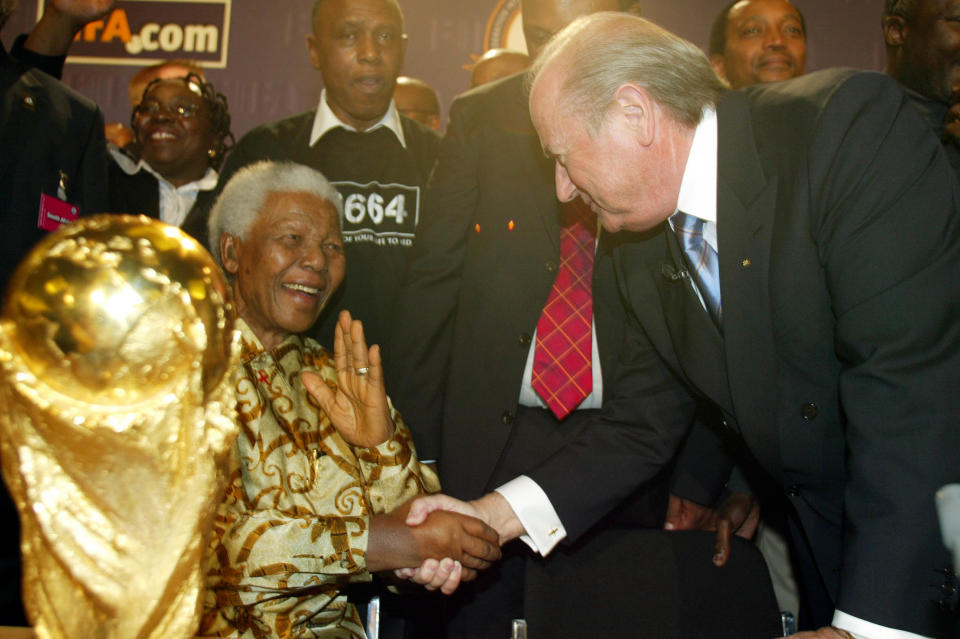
(116, 408)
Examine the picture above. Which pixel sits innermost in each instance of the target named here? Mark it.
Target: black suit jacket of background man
(45, 128)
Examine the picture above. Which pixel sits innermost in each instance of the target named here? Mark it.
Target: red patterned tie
(562, 362)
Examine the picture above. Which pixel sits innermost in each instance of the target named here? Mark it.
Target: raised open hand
(357, 408)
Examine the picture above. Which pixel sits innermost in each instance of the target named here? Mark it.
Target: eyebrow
(759, 17)
(364, 24)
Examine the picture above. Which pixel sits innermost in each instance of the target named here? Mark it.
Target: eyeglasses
(183, 110)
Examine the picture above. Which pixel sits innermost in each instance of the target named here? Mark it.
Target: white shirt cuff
(535, 512)
(865, 630)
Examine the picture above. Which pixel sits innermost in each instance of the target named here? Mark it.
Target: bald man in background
(755, 41)
(496, 64)
(418, 101)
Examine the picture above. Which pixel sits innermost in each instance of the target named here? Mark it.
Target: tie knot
(702, 258)
(687, 224)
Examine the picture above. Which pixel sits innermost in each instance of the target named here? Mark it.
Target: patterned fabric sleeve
(391, 471)
(293, 527)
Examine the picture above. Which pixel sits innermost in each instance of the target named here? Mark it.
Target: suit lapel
(746, 203)
(651, 273)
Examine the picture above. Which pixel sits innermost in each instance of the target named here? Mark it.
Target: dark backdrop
(268, 72)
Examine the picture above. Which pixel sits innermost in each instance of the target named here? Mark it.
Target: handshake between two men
(436, 540)
(449, 545)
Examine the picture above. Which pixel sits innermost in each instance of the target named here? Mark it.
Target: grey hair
(242, 199)
(605, 50)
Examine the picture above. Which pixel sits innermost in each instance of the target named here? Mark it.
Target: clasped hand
(492, 509)
(440, 552)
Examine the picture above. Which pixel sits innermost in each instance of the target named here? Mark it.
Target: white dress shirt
(326, 119)
(697, 197)
(175, 201)
(530, 397)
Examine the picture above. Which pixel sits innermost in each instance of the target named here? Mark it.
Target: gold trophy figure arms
(116, 409)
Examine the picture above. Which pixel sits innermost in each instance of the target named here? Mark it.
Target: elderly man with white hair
(322, 455)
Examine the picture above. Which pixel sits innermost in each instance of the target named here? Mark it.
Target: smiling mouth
(302, 288)
(162, 135)
(776, 63)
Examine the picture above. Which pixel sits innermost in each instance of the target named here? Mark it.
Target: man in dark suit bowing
(811, 296)
(497, 265)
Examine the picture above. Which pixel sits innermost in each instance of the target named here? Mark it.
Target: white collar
(207, 183)
(698, 189)
(326, 120)
(131, 167)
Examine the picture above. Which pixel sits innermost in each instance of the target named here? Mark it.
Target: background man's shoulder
(821, 87)
(784, 115)
(60, 96)
(281, 131)
(419, 134)
(502, 103)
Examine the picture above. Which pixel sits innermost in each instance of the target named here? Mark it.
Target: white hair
(242, 200)
(605, 50)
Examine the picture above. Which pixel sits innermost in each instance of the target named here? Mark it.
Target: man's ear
(636, 107)
(228, 253)
(716, 61)
(894, 31)
(313, 46)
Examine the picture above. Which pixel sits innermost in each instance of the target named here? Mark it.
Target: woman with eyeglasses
(182, 130)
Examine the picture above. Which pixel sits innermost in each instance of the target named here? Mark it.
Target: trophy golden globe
(116, 409)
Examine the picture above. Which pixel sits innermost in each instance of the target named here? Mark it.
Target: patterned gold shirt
(292, 530)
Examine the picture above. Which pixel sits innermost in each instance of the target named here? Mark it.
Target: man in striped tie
(833, 213)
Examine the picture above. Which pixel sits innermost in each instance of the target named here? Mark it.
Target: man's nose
(773, 38)
(369, 48)
(313, 257)
(566, 190)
